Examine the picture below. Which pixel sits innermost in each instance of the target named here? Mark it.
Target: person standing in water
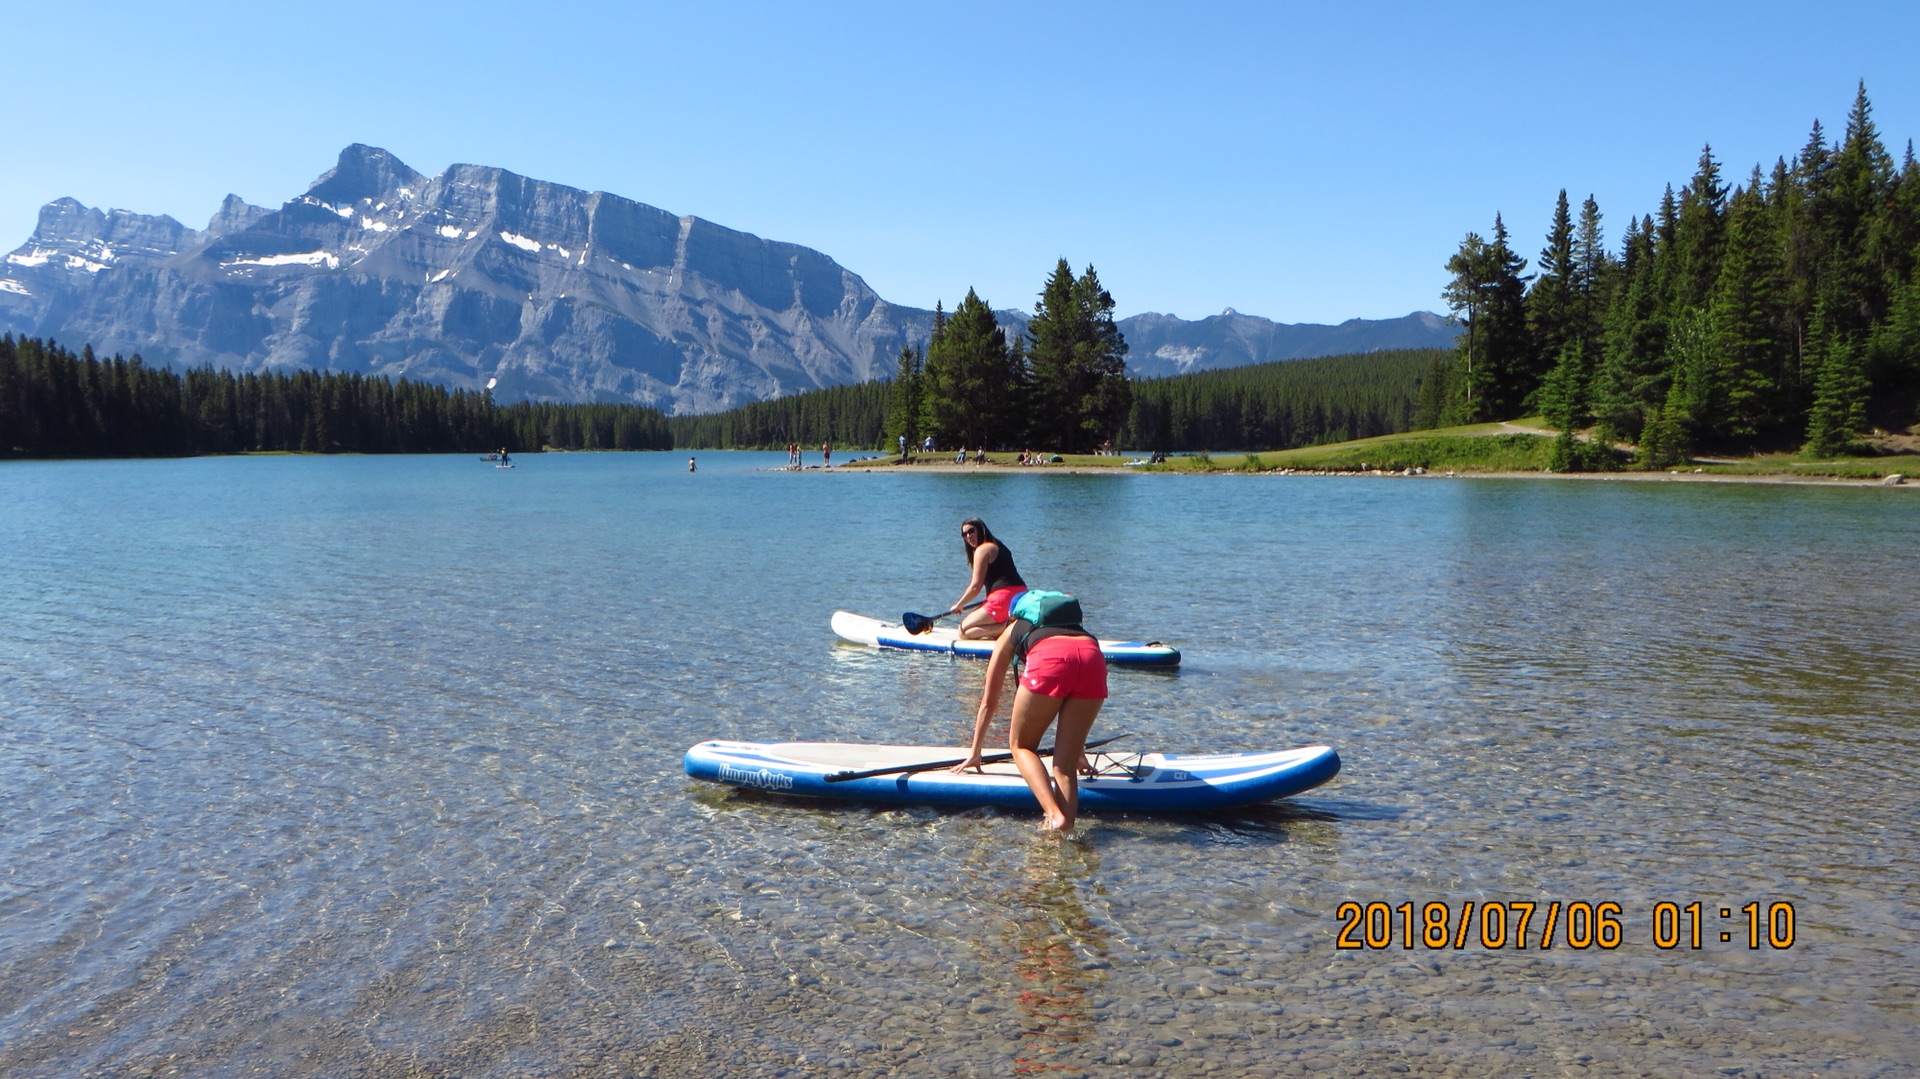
(1063, 676)
(993, 575)
(690, 464)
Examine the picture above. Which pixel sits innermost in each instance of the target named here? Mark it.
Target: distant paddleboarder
(690, 467)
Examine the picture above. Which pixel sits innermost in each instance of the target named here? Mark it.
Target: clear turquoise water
(328, 766)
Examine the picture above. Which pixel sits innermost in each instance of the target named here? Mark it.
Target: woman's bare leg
(978, 625)
(1069, 749)
(1032, 714)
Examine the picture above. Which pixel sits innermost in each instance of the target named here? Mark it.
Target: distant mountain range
(558, 294)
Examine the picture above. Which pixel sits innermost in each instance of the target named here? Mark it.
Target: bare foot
(1055, 822)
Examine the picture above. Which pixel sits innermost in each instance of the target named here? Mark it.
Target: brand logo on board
(746, 777)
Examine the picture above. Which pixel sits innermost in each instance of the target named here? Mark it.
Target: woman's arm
(983, 557)
(997, 665)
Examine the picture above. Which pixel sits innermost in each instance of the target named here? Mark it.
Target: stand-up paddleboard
(1130, 782)
(863, 630)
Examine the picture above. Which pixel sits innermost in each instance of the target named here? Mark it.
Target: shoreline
(1695, 475)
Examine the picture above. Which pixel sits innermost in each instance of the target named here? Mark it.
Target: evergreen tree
(1661, 440)
(1631, 383)
(1554, 301)
(1892, 360)
(1563, 403)
(1860, 179)
(1695, 398)
(1499, 366)
(1465, 292)
(1749, 324)
(1840, 391)
(1077, 391)
(969, 378)
(1592, 277)
(903, 404)
(1697, 237)
(1430, 406)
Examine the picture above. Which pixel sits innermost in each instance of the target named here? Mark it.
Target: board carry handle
(990, 758)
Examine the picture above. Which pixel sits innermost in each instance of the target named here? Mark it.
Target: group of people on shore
(1062, 676)
(826, 454)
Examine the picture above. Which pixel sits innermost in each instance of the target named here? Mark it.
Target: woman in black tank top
(994, 576)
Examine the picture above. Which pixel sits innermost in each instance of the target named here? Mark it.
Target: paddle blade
(915, 623)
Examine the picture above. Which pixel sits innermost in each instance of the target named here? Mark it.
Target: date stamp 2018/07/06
(1523, 924)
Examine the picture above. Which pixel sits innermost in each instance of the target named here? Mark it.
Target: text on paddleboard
(747, 777)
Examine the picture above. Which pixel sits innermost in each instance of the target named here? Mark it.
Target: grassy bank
(1521, 446)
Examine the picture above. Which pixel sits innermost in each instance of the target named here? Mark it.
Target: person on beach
(994, 576)
(1064, 677)
(826, 454)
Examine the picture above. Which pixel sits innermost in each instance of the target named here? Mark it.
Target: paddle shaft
(920, 623)
(989, 758)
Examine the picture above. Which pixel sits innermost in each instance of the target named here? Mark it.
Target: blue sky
(1305, 162)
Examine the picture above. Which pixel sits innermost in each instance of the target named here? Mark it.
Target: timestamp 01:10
(1521, 924)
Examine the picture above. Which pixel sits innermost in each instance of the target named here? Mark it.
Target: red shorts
(1000, 602)
(1067, 667)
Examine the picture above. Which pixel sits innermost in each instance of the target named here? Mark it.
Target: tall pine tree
(1749, 325)
(1553, 303)
(1077, 391)
(903, 402)
(1499, 367)
(969, 379)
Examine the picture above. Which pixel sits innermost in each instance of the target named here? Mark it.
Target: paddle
(989, 758)
(920, 623)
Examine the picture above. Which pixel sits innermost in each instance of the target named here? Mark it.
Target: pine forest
(1774, 314)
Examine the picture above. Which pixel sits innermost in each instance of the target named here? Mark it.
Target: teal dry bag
(1047, 614)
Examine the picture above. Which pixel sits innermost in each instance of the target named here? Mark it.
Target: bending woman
(1065, 677)
(994, 574)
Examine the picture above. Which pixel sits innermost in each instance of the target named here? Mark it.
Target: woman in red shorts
(994, 575)
(1065, 677)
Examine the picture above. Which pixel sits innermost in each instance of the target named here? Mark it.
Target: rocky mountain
(1166, 345)
(478, 274)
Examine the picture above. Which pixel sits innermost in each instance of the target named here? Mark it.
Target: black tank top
(1001, 572)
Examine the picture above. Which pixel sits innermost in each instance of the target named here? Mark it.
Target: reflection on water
(323, 766)
(1060, 954)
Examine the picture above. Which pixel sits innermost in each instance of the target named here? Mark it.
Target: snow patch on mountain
(306, 258)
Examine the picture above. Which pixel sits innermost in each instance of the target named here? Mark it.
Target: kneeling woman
(994, 576)
(1064, 677)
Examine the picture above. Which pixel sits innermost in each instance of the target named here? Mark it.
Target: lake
(372, 766)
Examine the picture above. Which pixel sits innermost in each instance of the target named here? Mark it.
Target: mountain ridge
(554, 293)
